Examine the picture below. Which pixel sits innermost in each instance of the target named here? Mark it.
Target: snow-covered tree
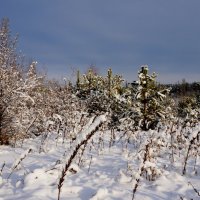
(19, 92)
(10, 78)
(150, 100)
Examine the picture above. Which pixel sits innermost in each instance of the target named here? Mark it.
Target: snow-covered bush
(102, 94)
(188, 109)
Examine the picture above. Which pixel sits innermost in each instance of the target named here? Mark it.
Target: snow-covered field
(32, 170)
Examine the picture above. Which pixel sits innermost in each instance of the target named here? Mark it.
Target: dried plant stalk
(92, 129)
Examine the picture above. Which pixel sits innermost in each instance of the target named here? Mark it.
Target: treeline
(31, 104)
(184, 89)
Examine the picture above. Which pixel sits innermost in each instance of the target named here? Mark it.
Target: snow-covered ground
(32, 172)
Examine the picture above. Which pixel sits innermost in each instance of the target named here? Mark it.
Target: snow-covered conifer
(149, 100)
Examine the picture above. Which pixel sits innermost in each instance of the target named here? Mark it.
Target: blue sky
(65, 35)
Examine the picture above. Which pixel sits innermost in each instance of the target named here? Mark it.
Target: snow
(111, 175)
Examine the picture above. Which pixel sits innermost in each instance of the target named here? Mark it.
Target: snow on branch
(19, 160)
(82, 139)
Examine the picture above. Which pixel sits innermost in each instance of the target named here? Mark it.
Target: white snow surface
(103, 174)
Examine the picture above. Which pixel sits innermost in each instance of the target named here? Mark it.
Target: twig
(146, 154)
(90, 163)
(196, 191)
(2, 168)
(188, 151)
(19, 160)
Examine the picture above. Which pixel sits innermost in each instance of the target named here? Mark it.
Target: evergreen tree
(149, 100)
